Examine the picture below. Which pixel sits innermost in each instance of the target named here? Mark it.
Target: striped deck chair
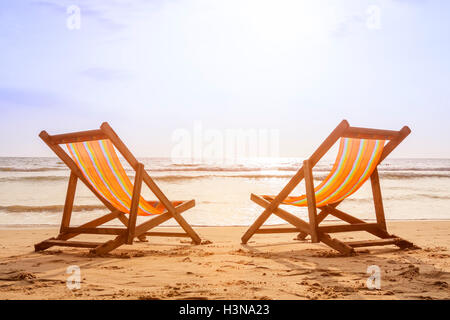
(91, 156)
(360, 152)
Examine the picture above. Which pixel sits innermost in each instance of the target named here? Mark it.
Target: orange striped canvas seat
(100, 165)
(355, 162)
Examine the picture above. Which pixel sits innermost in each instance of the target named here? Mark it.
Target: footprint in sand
(193, 274)
(291, 273)
(331, 274)
(18, 276)
(411, 272)
(441, 284)
(57, 260)
(112, 267)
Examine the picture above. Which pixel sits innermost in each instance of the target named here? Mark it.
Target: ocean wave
(319, 176)
(43, 169)
(50, 208)
(205, 169)
(282, 173)
(34, 179)
(439, 169)
(155, 177)
(410, 175)
(79, 208)
(209, 176)
(184, 164)
(178, 177)
(290, 167)
(411, 196)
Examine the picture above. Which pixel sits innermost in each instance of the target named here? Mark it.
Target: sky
(150, 68)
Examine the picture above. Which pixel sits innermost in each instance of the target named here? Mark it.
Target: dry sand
(269, 267)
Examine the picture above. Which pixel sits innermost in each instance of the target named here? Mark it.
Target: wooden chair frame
(321, 233)
(131, 230)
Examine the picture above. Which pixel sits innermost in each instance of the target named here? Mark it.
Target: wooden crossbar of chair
(126, 234)
(313, 228)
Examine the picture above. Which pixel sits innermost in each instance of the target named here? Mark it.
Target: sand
(269, 267)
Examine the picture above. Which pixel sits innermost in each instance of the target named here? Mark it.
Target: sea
(32, 190)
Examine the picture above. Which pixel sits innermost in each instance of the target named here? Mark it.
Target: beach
(327, 119)
(270, 266)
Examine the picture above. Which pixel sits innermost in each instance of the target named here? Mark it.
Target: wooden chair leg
(135, 203)
(378, 199)
(66, 236)
(175, 212)
(109, 245)
(337, 245)
(68, 205)
(124, 221)
(311, 199)
(43, 245)
(187, 228)
(256, 225)
(283, 214)
(320, 217)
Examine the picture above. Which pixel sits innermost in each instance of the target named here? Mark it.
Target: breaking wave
(393, 175)
(50, 208)
(43, 169)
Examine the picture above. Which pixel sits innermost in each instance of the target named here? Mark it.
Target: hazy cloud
(21, 97)
(104, 74)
